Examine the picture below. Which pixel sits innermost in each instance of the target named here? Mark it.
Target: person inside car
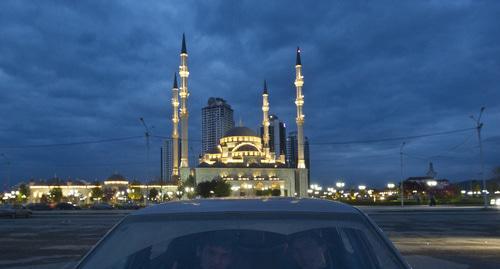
(216, 251)
(310, 251)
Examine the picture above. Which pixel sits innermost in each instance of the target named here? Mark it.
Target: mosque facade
(242, 158)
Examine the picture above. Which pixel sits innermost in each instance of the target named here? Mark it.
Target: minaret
(265, 119)
(175, 131)
(184, 73)
(431, 173)
(299, 102)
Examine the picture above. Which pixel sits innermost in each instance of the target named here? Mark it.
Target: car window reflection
(325, 248)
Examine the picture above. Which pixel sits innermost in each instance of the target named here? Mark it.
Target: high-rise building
(277, 135)
(217, 119)
(292, 150)
(166, 160)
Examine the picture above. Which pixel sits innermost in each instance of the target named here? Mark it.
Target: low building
(116, 188)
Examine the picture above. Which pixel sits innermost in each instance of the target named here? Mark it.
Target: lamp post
(401, 195)
(147, 135)
(479, 126)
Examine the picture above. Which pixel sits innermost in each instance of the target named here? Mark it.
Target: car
(127, 206)
(245, 233)
(15, 211)
(66, 206)
(38, 206)
(101, 206)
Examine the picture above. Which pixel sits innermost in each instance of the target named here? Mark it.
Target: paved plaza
(442, 237)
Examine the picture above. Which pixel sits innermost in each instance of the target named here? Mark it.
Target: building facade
(292, 150)
(115, 189)
(277, 136)
(239, 152)
(216, 120)
(166, 160)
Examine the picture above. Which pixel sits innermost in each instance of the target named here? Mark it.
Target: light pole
(401, 195)
(147, 135)
(7, 161)
(479, 126)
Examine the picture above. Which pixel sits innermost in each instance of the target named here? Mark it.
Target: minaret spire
(183, 49)
(184, 94)
(298, 61)
(175, 131)
(299, 102)
(175, 82)
(265, 119)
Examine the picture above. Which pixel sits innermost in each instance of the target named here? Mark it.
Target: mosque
(242, 158)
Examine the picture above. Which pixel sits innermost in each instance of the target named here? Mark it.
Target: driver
(310, 251)
(216, 251)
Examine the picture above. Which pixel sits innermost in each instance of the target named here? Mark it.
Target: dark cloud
(78, 71)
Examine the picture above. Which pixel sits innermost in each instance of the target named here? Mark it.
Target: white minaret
(299, 102)
(184, 74)
(175, 129)
(265, 119)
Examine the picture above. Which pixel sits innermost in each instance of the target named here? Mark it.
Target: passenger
(216, 251)
(310, 251)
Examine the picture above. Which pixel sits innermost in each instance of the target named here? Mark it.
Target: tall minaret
(265, 119)
(175, 131)
(184, 73)
(299, 102)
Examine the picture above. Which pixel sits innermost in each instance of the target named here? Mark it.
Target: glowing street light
(362, 187)
(391, 185)
(340, 184)
(432, 183)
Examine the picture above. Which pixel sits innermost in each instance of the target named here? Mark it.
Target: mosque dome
(247, 148)
(240, 131)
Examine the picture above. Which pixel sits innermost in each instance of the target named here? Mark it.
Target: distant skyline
(87, 71)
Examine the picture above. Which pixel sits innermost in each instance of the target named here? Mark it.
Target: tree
(109, 194)
(262, 192)
(56, 194)
(275, 192)
(24, 192)
(44, 199)
(135, 194)
(215, 187)
(96, 193)
(153, 193)
(203, 189)
(189, 183)
(221, 188)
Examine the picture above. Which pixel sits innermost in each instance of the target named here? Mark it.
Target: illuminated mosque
(242, 158)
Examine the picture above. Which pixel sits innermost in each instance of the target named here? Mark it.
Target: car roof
(249, 205)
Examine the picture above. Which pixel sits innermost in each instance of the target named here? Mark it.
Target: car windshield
(254, 242)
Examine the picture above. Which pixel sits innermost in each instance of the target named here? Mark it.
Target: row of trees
(217, 188)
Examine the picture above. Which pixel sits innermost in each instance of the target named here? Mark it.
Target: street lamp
(179, 194)
(391, 185)
(479, 126)
(340, 184)
(362, 187)
(402, 189)
(431, 183)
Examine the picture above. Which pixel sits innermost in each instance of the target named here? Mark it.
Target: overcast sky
(73, 71)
